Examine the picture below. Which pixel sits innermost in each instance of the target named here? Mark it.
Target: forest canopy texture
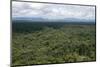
(46, 43)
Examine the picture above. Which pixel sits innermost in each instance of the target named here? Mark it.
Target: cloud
(52, 11)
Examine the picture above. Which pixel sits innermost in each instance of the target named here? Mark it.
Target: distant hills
(35, 19)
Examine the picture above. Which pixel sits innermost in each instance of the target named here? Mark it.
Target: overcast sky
(52, 11)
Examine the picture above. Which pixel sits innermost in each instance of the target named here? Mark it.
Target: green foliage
(69, 43)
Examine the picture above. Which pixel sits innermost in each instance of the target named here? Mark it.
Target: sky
(52, 12)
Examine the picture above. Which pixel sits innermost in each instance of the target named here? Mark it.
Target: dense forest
(46, 43)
